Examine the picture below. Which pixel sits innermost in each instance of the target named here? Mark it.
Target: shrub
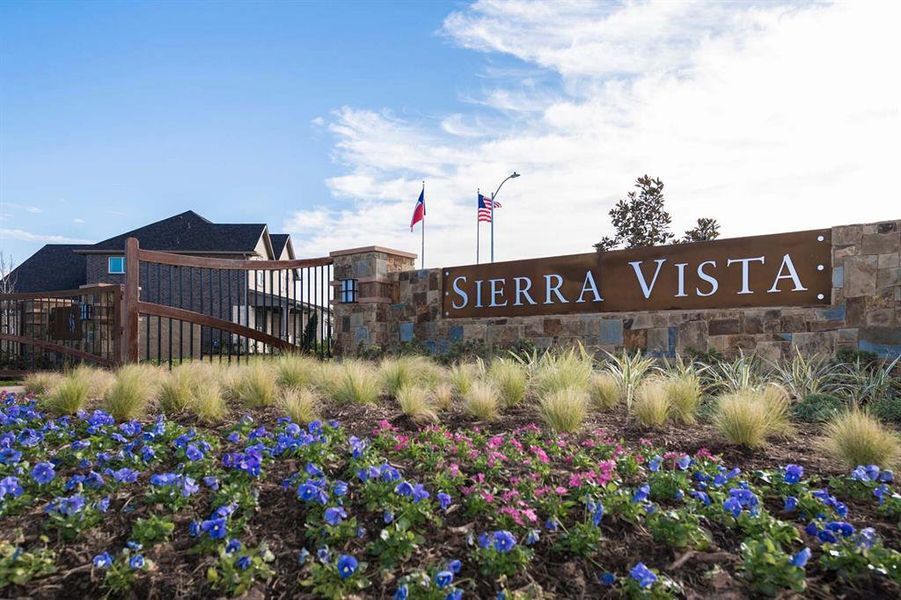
(254, 384)
(563, 370)
(481, 401)
(629, 370)
(68, 396)
(684, 394)
(510, 378)
(888, 408)
(604, 390)
(461, 377)
(414, 402)
(207, 402)
(564, 410)
(295, 370)
(301, 404)
(817, 408)
(132, 392)
(749, 416)
(726, 377)
(652, 403)
(357, 382)
(41, 382)
(803, 375)
(856, 438)
(444, 396)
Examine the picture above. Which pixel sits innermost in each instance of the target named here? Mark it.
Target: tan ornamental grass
(207, 402)
(604, 390)
(652, 403)
(443, 396)
(684, 393)
(415, 402)
(482, 401)
(510, 379)
(356, 382)
(254, 384)
(750, 416)
(857, 438)
(41, 382)
(303, 405)
(133, 391)
(462, 376)
(556, 371)
(67, 396)
(296, 370)
(564, 410)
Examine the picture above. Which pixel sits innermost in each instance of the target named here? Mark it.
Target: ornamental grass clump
(629, 371)
(131, 394)
(564, 410)
(462, 376)
(564, 370)
(301, 404)
(684, 393)
(510, 379)
(255, 384)
(857, 438)
(295, 370)
(444, 395)
(207, 402)
(652, 403)
(177, 386)
(749, 417)
(98, 380)
(482, 401)
(604, 390)
(414, 401)
(66, 397)
(41, 382)
(356, 382)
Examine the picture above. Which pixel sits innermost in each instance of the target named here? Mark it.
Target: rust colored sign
(787, 269)
(65, 322)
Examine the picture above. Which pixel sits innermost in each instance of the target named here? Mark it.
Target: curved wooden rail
(85, 291)
(181, 260)
(57, 348)
(190, 316)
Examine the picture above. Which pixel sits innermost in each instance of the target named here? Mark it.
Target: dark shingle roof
(53, 267)
(189, 232)
(279, 241)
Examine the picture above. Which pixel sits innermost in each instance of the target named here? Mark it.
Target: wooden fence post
(130, 306)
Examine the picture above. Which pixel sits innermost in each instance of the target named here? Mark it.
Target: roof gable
(53, 267)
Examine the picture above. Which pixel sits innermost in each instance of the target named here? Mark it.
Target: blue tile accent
(430, 346)
(889, 351)
(443, 346)
(406, 332)
(786, 336)
(612, 332)
(673, 338)
(838, 277)
(361, 335)
(835, 314)
(455, 333)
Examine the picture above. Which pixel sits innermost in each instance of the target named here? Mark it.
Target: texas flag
(419, 211)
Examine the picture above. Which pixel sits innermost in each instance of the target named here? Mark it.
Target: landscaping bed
(175, 508)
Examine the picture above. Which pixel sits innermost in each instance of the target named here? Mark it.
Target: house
(265, 300)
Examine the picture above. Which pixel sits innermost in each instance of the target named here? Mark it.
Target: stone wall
(400, 305)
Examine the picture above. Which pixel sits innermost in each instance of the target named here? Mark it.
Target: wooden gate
(52, 330)
(179, 307)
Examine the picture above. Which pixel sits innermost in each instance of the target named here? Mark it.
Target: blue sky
(322, 119)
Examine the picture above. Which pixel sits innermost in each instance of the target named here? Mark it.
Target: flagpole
(477, 225)
(423, 224)
(492, 228)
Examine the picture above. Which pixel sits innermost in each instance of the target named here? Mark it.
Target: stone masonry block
(860, 276)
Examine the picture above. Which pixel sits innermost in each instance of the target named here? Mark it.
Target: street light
(512, 175)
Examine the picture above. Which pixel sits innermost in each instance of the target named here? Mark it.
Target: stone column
(364, 323)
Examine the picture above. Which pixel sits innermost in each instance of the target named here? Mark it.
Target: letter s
(461, 293)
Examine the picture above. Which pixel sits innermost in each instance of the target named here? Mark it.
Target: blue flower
(71, 505)
(607, 579)
(444, 500)
(684, 462)
(504, 541)
(827, 537)
(323, 554)
(124, 475)
(643, 575)
(103, 561)
(388, 517)
(532, 537)
(791, 503)
(136, 562)
(443, 579)
(404, 488)
(389, 473)
(193, 528)
(334, 515)
(419, 493)
(654, 464)
(339, 488)
(217, 529)
(887, 476)
(211, 482)
(551, 524)
(702, 496)
(243, 562)
(314, 470)
(866, 538)
(233, 546)
(234, 437)
(642, 493)
(103, 504)
(347, 566)
(454, 595)
(811, 529)
(597, 514)
(800, 558)
(455, 566)
(10, 485)
(732, 505)
(302, 556)
(845, 529)
(793, 474)
(43, 473)
(193, 452)
(402, 593)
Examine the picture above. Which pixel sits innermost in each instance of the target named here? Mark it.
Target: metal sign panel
(787, 269)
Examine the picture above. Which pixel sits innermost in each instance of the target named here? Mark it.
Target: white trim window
(115, 265)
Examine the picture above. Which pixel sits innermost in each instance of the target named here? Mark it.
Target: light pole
(513, 175)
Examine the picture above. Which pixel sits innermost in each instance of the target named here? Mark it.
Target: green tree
(705, 230)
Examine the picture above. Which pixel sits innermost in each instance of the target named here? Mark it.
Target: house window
(261, 280)
(348, 291)
(116, 265)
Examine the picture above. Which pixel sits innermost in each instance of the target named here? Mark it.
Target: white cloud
(79, 221)
(27, 208)
(27, 236)
(768, 118)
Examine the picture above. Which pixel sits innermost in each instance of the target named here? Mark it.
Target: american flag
(485, 208)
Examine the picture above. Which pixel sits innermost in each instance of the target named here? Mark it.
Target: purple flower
(347, 566)
(793, 474)
(643, 575)
(642, 493)
(124, 475)
(43, 473)
(404, 488)
(243, 563)
(607, 579)
(334, 515)
(211, 482)
(444, 500)
(339, 488)
(136, 562)
(684, 462)
(504, 541)
(455, 566)
(193, 452)
(419, 493)
(323, 554)
(103, 561)
(233, 546)
(71, 505)
(654, 464)
(800, 559)
(217, 529)
(443, 579)
(791, 503)
(10, 485)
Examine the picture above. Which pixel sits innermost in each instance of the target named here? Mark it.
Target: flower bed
(167, 508)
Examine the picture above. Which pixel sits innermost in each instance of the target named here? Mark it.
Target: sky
(324, 119)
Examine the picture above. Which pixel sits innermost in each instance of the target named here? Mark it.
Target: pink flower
(496, 442)
(561, 491)
(488, 497)
(454, 470)
(530, 515)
